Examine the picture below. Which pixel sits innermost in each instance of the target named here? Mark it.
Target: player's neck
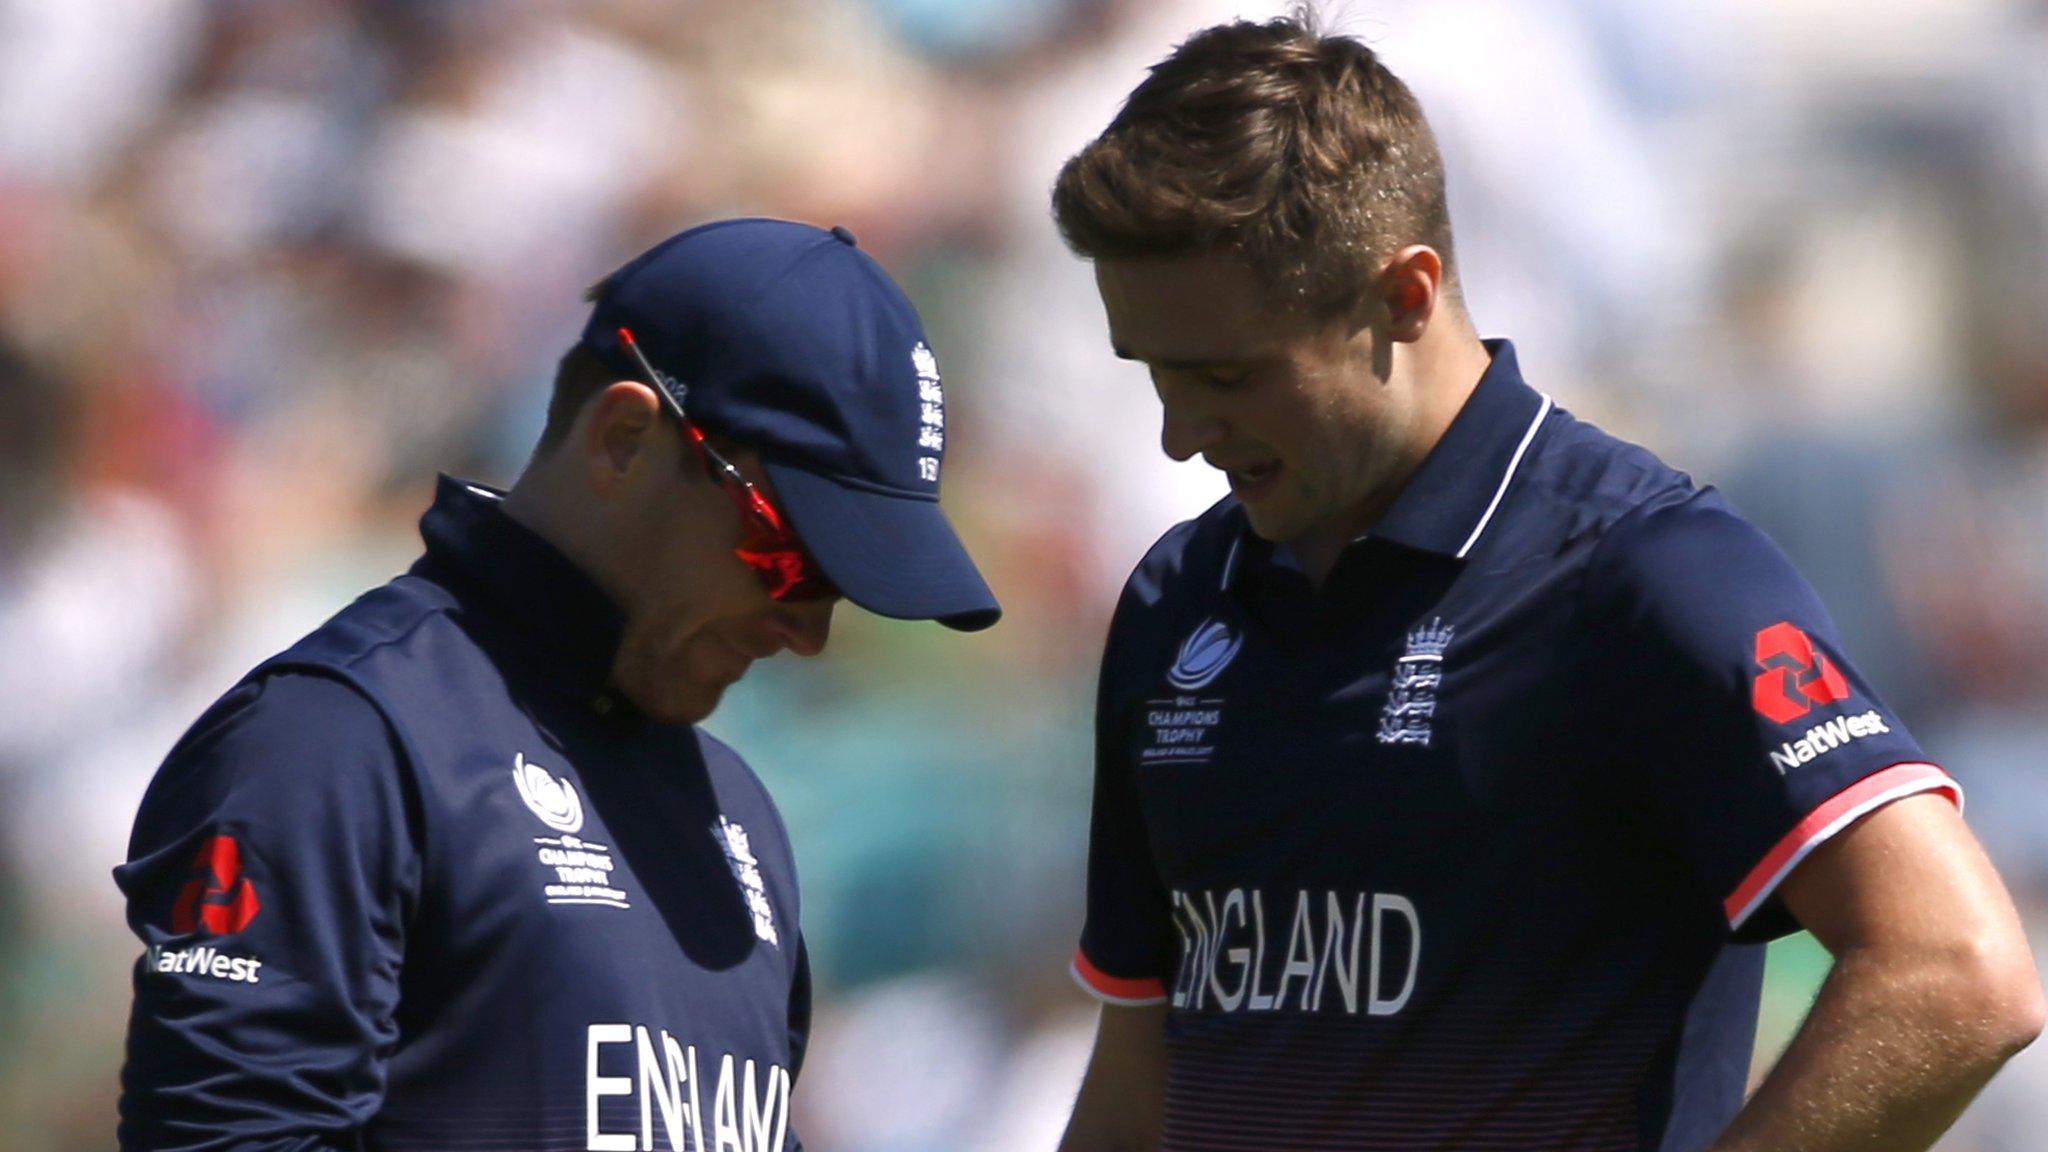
(1444, 370)
(543, 502)
(1447, 370)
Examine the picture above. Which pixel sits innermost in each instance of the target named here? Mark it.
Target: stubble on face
(675, 672)
(1311, 434)
(699, 618)
(1357, 445)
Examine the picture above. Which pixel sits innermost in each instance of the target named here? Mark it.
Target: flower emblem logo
(553, 800)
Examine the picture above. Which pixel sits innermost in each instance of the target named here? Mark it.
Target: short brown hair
(581, 375)
(1298, 150)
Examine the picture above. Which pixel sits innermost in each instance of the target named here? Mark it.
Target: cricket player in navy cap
(457, 870)
(1451, 771)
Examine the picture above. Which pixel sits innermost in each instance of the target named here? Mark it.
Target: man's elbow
(1998, 989)
(2021, 1012)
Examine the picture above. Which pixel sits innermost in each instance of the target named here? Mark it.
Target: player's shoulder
(1589, 480)
(390, 615)
(1585, 486)
(310, 710)
(1655, 534)
(392, 647)
(284, 707)
(283, 741)
(1189, 559)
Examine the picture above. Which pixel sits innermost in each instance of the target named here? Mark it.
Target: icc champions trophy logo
(554, 801)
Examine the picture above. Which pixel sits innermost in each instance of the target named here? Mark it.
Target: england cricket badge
(746, 870)
(1411, 694)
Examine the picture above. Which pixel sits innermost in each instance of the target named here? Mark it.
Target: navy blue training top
(423, 882)
(1470, 848)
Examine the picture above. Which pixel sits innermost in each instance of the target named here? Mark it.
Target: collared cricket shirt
(423, 882)
(1471, 848)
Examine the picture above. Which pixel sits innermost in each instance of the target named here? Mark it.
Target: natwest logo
(218, 897)
(1795, 675)
(201, 960)
(1822, 739)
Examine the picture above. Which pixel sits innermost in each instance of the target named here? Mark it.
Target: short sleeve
(271, 875)
(799, 1020)
(1127, 950)
(1746, 735)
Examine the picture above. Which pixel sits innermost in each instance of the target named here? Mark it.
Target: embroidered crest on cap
(931, 399)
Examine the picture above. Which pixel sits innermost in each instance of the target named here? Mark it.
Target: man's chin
(692, 705)
(1269, 526)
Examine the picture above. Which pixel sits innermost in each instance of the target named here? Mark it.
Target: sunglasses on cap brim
(769, 547)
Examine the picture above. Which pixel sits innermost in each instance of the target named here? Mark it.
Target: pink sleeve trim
(1843, 809)
(1115, 989)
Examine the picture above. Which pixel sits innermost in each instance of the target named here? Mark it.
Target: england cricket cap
(793, 342)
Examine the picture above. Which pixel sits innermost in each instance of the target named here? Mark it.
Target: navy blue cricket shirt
(1472, 847)
(423, 882)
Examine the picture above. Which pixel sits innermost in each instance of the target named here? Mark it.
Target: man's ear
(616, 433)
(1410, 289)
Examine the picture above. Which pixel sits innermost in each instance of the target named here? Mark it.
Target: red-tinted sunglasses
(769, 547)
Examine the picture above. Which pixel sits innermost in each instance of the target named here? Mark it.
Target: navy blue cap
(793, 342)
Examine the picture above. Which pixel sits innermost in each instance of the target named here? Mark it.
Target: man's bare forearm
(1890, 1055)
(1122, 1093)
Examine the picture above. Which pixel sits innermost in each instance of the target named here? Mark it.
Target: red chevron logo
(1796, 676)
(218, 897)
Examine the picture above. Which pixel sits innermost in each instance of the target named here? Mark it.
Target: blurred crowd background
(266, 266)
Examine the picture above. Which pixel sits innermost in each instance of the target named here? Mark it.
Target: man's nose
(1186, 432)
(803, 628)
